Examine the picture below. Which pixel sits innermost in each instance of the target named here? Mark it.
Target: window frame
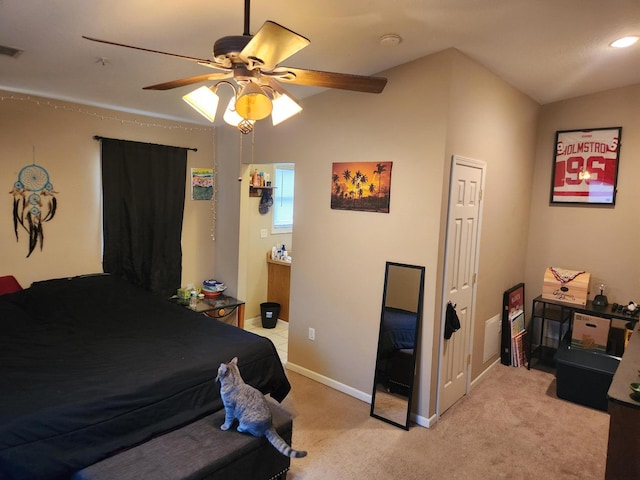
(277, 195)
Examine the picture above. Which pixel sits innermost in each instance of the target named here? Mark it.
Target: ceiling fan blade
(193, 59)
(272, 44)
(189, 81)
(344, 81)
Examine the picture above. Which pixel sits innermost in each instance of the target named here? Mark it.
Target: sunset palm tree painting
(363, 186)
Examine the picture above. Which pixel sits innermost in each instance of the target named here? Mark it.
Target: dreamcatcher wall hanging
(34, 203)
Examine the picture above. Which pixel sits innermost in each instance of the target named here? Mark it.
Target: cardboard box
(566, 285)
(590, 332)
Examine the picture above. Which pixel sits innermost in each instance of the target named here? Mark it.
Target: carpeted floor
(510, 426)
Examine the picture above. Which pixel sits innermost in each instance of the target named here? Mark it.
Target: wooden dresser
(623, 458)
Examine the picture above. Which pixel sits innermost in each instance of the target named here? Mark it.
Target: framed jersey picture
(585, 166)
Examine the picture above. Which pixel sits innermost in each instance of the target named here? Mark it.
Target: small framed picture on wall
(585, 166)
(361, 186)
(201, 183)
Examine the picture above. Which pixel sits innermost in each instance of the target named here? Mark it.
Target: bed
(91, 366)
(396, 349)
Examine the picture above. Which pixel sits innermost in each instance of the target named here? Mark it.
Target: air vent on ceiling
(10, 51)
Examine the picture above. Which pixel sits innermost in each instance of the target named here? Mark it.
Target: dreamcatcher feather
(32, 194)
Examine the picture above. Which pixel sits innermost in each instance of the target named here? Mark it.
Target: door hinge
(469, 359)
(480, 195)
(474, 278)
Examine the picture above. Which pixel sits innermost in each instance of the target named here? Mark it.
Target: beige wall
(338, 271)
(431, 108)
(62, 134)
(602, 241)
(493, 122)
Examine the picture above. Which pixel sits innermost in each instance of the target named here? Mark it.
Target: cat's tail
(282, 446)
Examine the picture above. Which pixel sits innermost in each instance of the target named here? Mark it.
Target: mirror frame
(420, 300)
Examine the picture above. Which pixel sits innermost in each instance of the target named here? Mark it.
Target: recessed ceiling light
(624, 42)
(390, 40)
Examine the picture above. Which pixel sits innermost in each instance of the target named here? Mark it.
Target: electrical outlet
(263, 233)
(312, 334)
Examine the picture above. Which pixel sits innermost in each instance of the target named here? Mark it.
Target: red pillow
(8, 284)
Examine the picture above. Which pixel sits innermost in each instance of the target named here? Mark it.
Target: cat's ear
(234, 360)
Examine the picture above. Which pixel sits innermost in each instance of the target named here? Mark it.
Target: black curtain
(143, 200)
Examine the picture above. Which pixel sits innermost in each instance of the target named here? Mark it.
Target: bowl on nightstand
(212, 288)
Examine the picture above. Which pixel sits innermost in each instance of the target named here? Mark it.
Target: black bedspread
(398, 330)
(92, 365)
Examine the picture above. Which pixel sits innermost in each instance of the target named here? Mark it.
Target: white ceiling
(548, 49)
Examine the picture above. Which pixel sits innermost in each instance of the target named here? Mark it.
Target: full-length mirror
(397, 343)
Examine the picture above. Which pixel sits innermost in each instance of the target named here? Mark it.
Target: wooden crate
(566, 285)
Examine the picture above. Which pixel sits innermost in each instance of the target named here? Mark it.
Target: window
(283, 198)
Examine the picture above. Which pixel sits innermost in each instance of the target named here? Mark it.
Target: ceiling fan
(253, 62)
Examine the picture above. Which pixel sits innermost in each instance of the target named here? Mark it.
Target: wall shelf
(257, 191)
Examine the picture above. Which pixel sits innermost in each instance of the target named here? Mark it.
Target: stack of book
(518, 339)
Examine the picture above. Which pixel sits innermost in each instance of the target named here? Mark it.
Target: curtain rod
(98, 137)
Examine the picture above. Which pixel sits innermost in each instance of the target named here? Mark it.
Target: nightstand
(216, 307)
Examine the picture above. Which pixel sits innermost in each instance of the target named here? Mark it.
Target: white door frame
(456, 159)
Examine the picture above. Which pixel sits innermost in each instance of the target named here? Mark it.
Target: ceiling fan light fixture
(284, 107)
(253, 63)
(253, 103)
(231, 117)
(204, 100)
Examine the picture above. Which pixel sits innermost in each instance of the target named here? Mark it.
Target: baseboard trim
(346, 389)
(426, 422)
(480, 377)
(329, 382)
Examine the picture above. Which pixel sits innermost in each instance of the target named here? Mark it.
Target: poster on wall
(362, 186)
(585, 166)
(201, 183)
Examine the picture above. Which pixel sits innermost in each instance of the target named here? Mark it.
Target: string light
(215, 189)
(123, 121)
(101, 116)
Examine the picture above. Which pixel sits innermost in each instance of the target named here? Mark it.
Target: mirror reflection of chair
(400, 320)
